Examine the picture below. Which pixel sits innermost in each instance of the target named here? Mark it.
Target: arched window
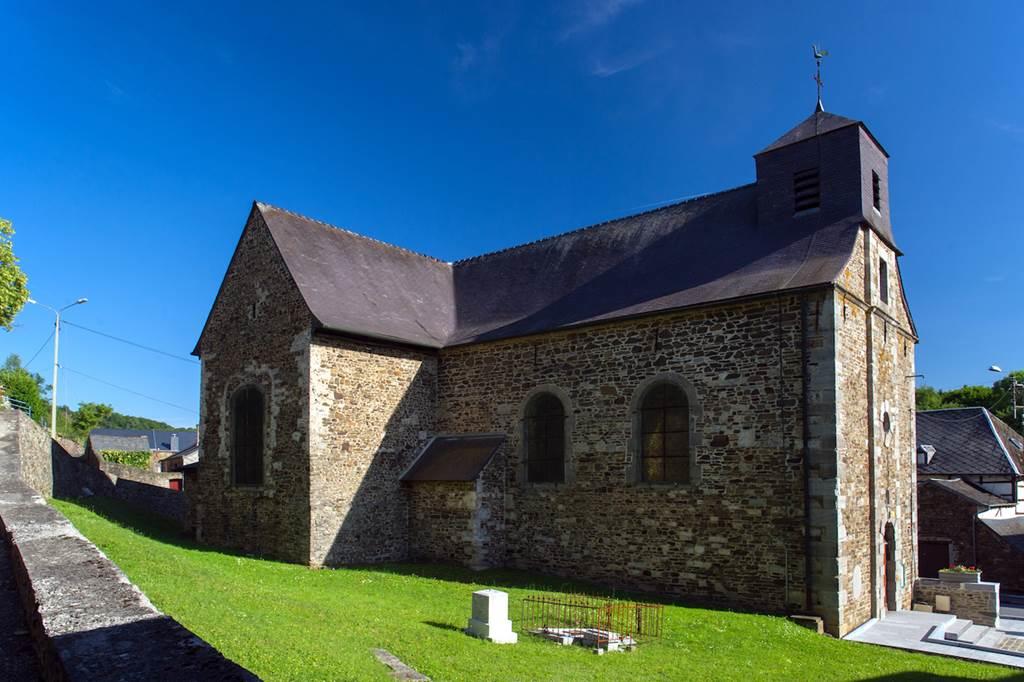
(665, 434)
(247, 436)
(544, 435)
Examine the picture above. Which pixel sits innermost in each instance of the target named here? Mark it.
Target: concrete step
(972, 634)
(957, 629)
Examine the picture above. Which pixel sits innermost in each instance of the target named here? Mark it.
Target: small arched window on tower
(247, 436)
(665, 434)
(544, 435)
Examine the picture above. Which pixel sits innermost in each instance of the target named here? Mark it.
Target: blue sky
(135, 136)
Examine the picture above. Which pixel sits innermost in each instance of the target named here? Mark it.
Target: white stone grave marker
(490, 617)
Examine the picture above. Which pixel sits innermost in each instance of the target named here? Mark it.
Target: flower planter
(960, 576)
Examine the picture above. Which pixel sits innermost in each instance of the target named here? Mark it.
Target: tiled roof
(142, 439)
(971, 493)
(965, 441)
(701, 251)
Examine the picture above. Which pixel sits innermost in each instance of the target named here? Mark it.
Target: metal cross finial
(819, 54)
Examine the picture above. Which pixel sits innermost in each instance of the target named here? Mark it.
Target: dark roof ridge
(688, 200)
(951, 409)
(262, 205)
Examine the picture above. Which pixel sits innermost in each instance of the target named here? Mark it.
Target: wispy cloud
(1007, 127)
(605, 67)
(592, 14)
(474, 65)
(480, 55)
(114, 91)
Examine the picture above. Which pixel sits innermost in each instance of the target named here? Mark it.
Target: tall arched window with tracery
(665, 434)
(247, 436)
(544, 437)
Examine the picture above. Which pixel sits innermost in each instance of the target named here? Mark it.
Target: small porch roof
(458, 457)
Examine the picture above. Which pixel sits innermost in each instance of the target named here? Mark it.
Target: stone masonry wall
(258, 334)
(86, 620)
(871, 385)
(371, 407)
(441, 516)
(971, 601)
(37, 458)
(732, 536)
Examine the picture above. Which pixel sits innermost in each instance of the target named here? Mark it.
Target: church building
(712, 400)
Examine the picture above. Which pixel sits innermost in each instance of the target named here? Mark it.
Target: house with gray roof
(972, 444)
(160, 443)
(709, 399)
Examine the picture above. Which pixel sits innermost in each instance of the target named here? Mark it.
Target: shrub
(132, 458)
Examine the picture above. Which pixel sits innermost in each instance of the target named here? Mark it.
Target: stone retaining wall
(971, 601)
(47, 468)
(86, 619)
(36, 466)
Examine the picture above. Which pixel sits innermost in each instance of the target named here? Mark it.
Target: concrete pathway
(910, 630)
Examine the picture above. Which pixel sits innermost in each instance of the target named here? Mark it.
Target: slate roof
(1010, 529)
(967, 441)
(126, 443)
(818, 123)
(454, 458)
(140, 439)
(971, 493)
(700, 251)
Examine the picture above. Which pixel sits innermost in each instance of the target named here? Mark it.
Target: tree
(90, 415)
(998, 398)
(25, 386)
(13, 282)
(929, 398)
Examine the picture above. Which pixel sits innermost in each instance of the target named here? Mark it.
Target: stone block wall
(83, 613)
(441, 520)
(732, 536)
(877, 472)
(371, 407)
(978, 602)
(258, 334)
(37, 452)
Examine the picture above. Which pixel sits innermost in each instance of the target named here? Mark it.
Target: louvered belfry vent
(806, 190)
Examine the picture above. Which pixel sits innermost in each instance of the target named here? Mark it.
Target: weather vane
(819, 54)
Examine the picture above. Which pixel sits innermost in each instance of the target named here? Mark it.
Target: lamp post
(56, 348)
(1014, 384)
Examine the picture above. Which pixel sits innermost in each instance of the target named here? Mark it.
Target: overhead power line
(133, 343)
(128, 390)
(36, 354)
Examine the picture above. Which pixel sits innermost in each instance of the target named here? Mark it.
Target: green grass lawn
(287, 622)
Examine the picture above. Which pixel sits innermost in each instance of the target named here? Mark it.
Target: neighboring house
(972, 444)
(179, 461)
(959, 523)
(970, 494)
(161, 444)
(712, 399)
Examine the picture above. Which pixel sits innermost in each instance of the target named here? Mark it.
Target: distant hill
(124, 421)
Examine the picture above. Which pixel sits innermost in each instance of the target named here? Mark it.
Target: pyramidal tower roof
(818, 123)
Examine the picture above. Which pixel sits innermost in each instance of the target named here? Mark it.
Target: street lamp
(1014, 385)
(56, 347)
